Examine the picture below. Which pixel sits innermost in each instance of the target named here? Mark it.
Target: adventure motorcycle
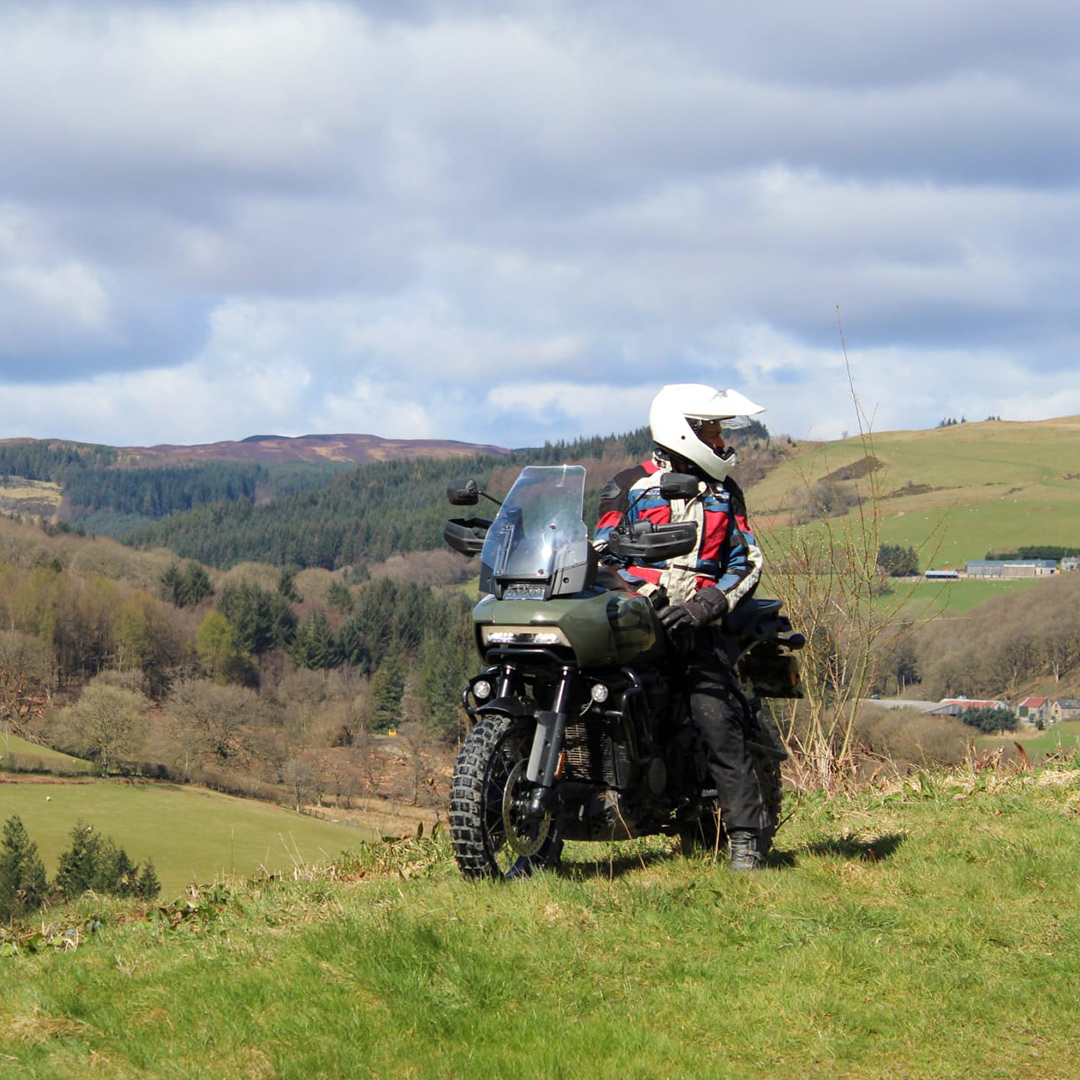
(581, 729)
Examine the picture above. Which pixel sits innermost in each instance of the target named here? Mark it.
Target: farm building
(956, 706)
(1064, 709)
(941, 575)
(1010, 568)
(1034, 709)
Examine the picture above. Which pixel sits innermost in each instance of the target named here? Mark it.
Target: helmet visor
(717, 425)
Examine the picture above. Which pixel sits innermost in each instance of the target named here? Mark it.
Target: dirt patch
(912, 489)
(855, 471)
(384, 816)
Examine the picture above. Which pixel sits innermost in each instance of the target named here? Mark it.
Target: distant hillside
(955, 492)
(113, 490)
(391, 507)
(265, 449)
(368, 514)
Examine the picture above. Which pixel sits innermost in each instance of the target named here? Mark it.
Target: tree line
(51, 462)
(116, 501)
(234, 683)
(1034, 551)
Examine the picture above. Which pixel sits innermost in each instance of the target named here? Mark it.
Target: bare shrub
(105, 724)
(908, 737)
(216, 722)
(827, 574)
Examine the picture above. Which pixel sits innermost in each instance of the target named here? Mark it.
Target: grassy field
(191, 834)
(956, 492)
(1061, 738)
(20, 755)
(925, 932)
(954, 597)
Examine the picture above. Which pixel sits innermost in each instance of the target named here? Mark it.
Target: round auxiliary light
(481, 689)
(599, 693)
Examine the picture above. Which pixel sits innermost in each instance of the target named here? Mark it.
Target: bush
(897, 561)
(907, 737)
(989, 720)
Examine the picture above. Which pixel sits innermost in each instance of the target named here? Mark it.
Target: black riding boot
(746, 853)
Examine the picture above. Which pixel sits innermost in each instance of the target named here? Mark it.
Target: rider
(694, 593)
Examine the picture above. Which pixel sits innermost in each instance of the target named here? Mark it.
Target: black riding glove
(708, 605)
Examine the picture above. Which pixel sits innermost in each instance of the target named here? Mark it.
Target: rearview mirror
(463, 493)
(679, 486)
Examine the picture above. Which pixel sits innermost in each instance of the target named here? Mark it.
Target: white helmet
(672, 420)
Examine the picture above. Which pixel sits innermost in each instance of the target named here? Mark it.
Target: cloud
(509, 222)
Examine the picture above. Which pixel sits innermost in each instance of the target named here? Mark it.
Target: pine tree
(353, 645)
(148, 885)
(194, 586)
(115, 873)
(23, 885)
(314, 646)
(387, 688)
(78, 865)
(172, 584)
(338, 596)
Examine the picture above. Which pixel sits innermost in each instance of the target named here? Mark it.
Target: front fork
(546, 756)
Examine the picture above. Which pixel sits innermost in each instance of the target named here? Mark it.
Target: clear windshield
(538, 533)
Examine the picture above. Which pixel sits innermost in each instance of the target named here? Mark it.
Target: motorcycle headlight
(522, 635)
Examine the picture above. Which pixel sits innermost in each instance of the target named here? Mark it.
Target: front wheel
(491, 835)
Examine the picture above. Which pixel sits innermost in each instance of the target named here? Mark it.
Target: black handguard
(708, 605)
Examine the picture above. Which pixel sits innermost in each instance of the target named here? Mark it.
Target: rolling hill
(954, 492)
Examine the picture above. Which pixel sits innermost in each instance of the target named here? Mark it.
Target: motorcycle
(580, 728)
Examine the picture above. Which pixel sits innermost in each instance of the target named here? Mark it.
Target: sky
(512, 222)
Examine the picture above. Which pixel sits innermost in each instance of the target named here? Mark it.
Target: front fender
(506, 706)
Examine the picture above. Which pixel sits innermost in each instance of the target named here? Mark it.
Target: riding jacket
(727, 554)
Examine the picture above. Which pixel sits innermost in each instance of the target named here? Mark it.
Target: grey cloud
(479, 196)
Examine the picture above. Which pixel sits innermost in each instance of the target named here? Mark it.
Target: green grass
(954, 597)
(191, 834)
(923, 933)
(1063, 737)
(25, 756)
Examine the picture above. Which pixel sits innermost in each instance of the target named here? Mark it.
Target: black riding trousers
(717, 709)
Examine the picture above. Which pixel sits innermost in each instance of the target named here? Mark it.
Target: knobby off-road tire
(489, 836)
(767, 755)
(768, 773)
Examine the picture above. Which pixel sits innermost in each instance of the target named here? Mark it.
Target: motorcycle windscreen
(538, 533)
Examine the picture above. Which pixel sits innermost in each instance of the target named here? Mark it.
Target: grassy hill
(923, 931)
(970, 487)
(19, 755)
(191, 834)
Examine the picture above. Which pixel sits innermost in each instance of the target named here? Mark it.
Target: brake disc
(526, 837)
